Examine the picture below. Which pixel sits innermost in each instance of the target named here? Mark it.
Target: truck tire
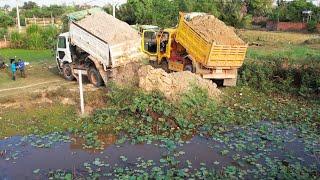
(230, 82)
(95, 77)
(67, 72)
(188, 67)
(165, 66)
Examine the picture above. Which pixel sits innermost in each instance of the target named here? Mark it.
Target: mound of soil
(126, 75)
(212, 29)
(173, 84)
(108, 28)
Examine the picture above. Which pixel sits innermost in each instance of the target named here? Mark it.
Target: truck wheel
(230, 82)
(188, 67)
(165, 66)
(95, 77)
(67, 72)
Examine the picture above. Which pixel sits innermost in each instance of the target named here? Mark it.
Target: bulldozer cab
(149, 42)
(157, 44)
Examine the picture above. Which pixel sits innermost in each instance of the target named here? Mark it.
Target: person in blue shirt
(13, 69)
(21, 67)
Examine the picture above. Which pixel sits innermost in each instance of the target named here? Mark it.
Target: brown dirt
(212, 29)
(173, 84)
(126, 75)
(108, 28)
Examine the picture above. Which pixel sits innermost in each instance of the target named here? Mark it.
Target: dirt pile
(110, 29)
(173, 84)
(126, 75)
(212, 29)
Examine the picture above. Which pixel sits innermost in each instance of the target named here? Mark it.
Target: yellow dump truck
(184, 49)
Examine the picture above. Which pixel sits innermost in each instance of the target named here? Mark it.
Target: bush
(277, 75)
(34, 41)
(16, 39)
(49, 34)
(312, 26)
(3, 32)
(36, 37)
(6, 20)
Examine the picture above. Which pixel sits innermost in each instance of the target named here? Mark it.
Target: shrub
(34, 41)
(272, 75)
(49, 35)
(16, 39)
(312, 26)
(3, 32)
(6, 20)
(36, 37)
(33, 29)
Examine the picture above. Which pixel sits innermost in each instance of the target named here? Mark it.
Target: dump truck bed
(110, 55)
(209, 54)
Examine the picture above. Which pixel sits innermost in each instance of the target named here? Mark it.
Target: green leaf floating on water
(36, 171)
(123, 158)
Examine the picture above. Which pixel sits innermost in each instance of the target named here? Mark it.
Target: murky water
(19, 158)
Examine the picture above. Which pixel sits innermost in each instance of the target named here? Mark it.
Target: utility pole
(18, 17)
(114, 9)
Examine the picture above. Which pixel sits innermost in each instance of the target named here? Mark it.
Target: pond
(250, 152)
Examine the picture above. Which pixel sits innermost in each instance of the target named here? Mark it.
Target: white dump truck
(85, 46)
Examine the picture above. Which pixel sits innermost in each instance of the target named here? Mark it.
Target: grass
(281, 45)
(27, 55)
(45, 119)
(274, 38)
(37, 72)
(294, 53)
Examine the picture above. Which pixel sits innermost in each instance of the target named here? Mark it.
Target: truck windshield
(150, 41)
(62, 42)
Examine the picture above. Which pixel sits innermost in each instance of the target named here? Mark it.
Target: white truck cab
(63, 56)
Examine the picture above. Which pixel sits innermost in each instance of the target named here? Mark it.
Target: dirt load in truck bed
(212, 29)
(108, 28)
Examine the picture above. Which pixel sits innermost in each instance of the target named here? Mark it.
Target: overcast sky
(70, 2)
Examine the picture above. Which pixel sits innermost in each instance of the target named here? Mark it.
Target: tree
(29, 5)
(234, 14)
(259, 7)
(292, 11)
(126, 13)
(6, 20)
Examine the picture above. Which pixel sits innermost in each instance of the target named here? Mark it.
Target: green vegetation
(292, 10)
(36, 37)
(5, 20)
(292, 53)
(278, 66)
(42, 120)
(27, 55)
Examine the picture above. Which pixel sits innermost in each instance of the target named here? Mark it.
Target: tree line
(164, 13)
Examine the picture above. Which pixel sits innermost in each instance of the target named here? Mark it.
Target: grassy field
(41, 69)
(27, 55)
(285, 45)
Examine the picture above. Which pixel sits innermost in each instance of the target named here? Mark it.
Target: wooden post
(81, 92)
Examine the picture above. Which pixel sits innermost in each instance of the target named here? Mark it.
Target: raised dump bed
(213, 46)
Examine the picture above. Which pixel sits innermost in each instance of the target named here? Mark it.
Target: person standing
(21, 67)
(13, 69)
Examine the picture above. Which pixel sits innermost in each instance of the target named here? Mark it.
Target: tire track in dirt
(4, 92)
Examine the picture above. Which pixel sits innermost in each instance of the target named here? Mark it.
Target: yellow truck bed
(207, 53)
